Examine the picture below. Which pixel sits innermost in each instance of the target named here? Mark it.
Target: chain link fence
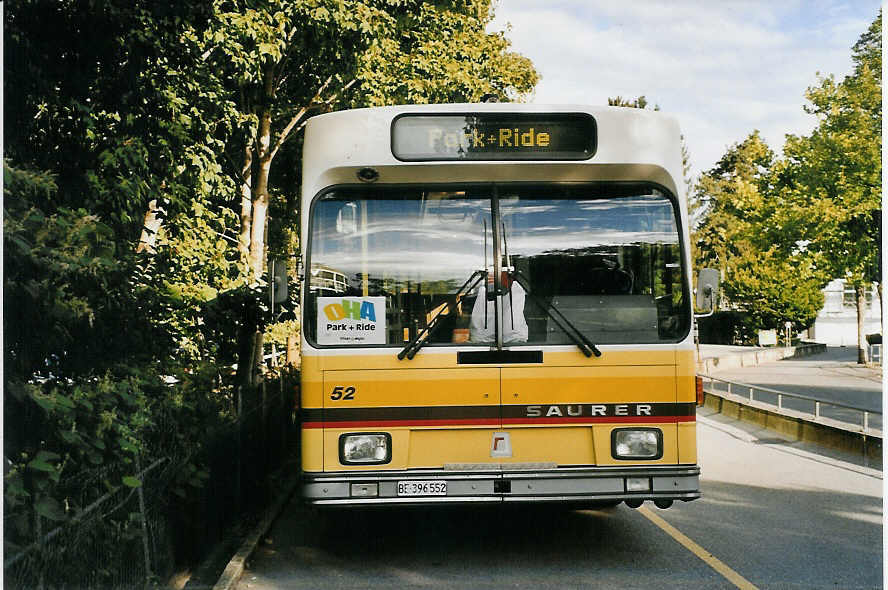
(136, 537)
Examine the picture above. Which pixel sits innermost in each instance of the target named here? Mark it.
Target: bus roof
(632, 144)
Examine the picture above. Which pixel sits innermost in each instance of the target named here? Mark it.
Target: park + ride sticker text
(351, 320)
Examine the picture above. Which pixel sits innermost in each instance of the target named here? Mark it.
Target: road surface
(771, 516)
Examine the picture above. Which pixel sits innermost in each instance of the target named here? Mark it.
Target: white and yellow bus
(512, 320)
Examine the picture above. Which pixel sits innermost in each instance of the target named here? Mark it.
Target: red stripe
(379, 423)
(496, 423)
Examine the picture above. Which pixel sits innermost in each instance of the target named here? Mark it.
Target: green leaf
(21, 243)
(44, 401)
(14, 489)
(126, 445)
(131, 482)
(70, 437)
(64, 401)
(41, 461)
(50, 508)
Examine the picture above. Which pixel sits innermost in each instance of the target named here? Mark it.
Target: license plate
(422, 488)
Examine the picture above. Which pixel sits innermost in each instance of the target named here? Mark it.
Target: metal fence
(875, 353)
(117, 541)
(867, 419)
(137, 537)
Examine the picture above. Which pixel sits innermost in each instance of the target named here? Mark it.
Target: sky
(724, 68)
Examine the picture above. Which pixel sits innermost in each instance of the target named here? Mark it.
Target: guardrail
(733, 386)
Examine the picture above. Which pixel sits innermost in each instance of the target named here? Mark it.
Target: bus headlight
(636, 443)
(365, 448)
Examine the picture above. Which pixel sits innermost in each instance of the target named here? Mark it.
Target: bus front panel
(448, 335)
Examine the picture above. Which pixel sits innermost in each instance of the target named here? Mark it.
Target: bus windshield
(607, 257)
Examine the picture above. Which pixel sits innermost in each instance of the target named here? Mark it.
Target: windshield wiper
(509, 268)
(418, 341)
(583, 343)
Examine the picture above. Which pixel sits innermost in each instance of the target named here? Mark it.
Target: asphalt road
(830, 376)
(771, 516)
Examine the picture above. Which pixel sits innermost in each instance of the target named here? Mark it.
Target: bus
(512, 317)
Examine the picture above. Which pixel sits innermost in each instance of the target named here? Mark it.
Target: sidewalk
(833, 360)
(832, 375)
(715, 357)
(845, 389)
(840, 360)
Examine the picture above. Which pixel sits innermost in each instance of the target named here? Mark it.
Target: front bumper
(470, 484)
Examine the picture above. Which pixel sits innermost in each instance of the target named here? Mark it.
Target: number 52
(340, 392)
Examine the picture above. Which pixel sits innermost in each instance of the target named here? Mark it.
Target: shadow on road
(772, 537)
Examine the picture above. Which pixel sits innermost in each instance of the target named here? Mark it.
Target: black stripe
(401, 413)
(492, 357)
(493, 412)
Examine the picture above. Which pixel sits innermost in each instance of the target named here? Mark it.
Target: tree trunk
(260, 195)
(246, 345)
(246, 192)
(260, 219)
(257, 236)
(259, 358)
(292, 350)
(150, 228)
(860, 290)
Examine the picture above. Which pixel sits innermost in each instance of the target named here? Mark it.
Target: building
(327, 281)
(836, 324)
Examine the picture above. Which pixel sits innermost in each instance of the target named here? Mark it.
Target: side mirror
(277, 284)
(707, 291)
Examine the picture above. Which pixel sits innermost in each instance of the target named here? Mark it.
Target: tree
(288, 60)
(133, 129)
(99, 125)
(120, 118)
(832, 182)
(442, 53)
(284, 61)
(764, 270)
(139, 158)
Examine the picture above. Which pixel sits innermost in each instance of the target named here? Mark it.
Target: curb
(232, 573)
(799, 426)
(755, 438)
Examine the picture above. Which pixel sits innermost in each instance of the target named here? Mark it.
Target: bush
(728, 327)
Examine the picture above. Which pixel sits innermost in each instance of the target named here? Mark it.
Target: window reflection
(608, 258)
(415, 248)
(610, 264)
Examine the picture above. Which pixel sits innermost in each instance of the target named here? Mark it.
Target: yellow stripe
(703, 554)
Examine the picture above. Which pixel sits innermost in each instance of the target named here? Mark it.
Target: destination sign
(494, 136)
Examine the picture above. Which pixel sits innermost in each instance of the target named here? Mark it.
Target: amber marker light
(699, 383)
